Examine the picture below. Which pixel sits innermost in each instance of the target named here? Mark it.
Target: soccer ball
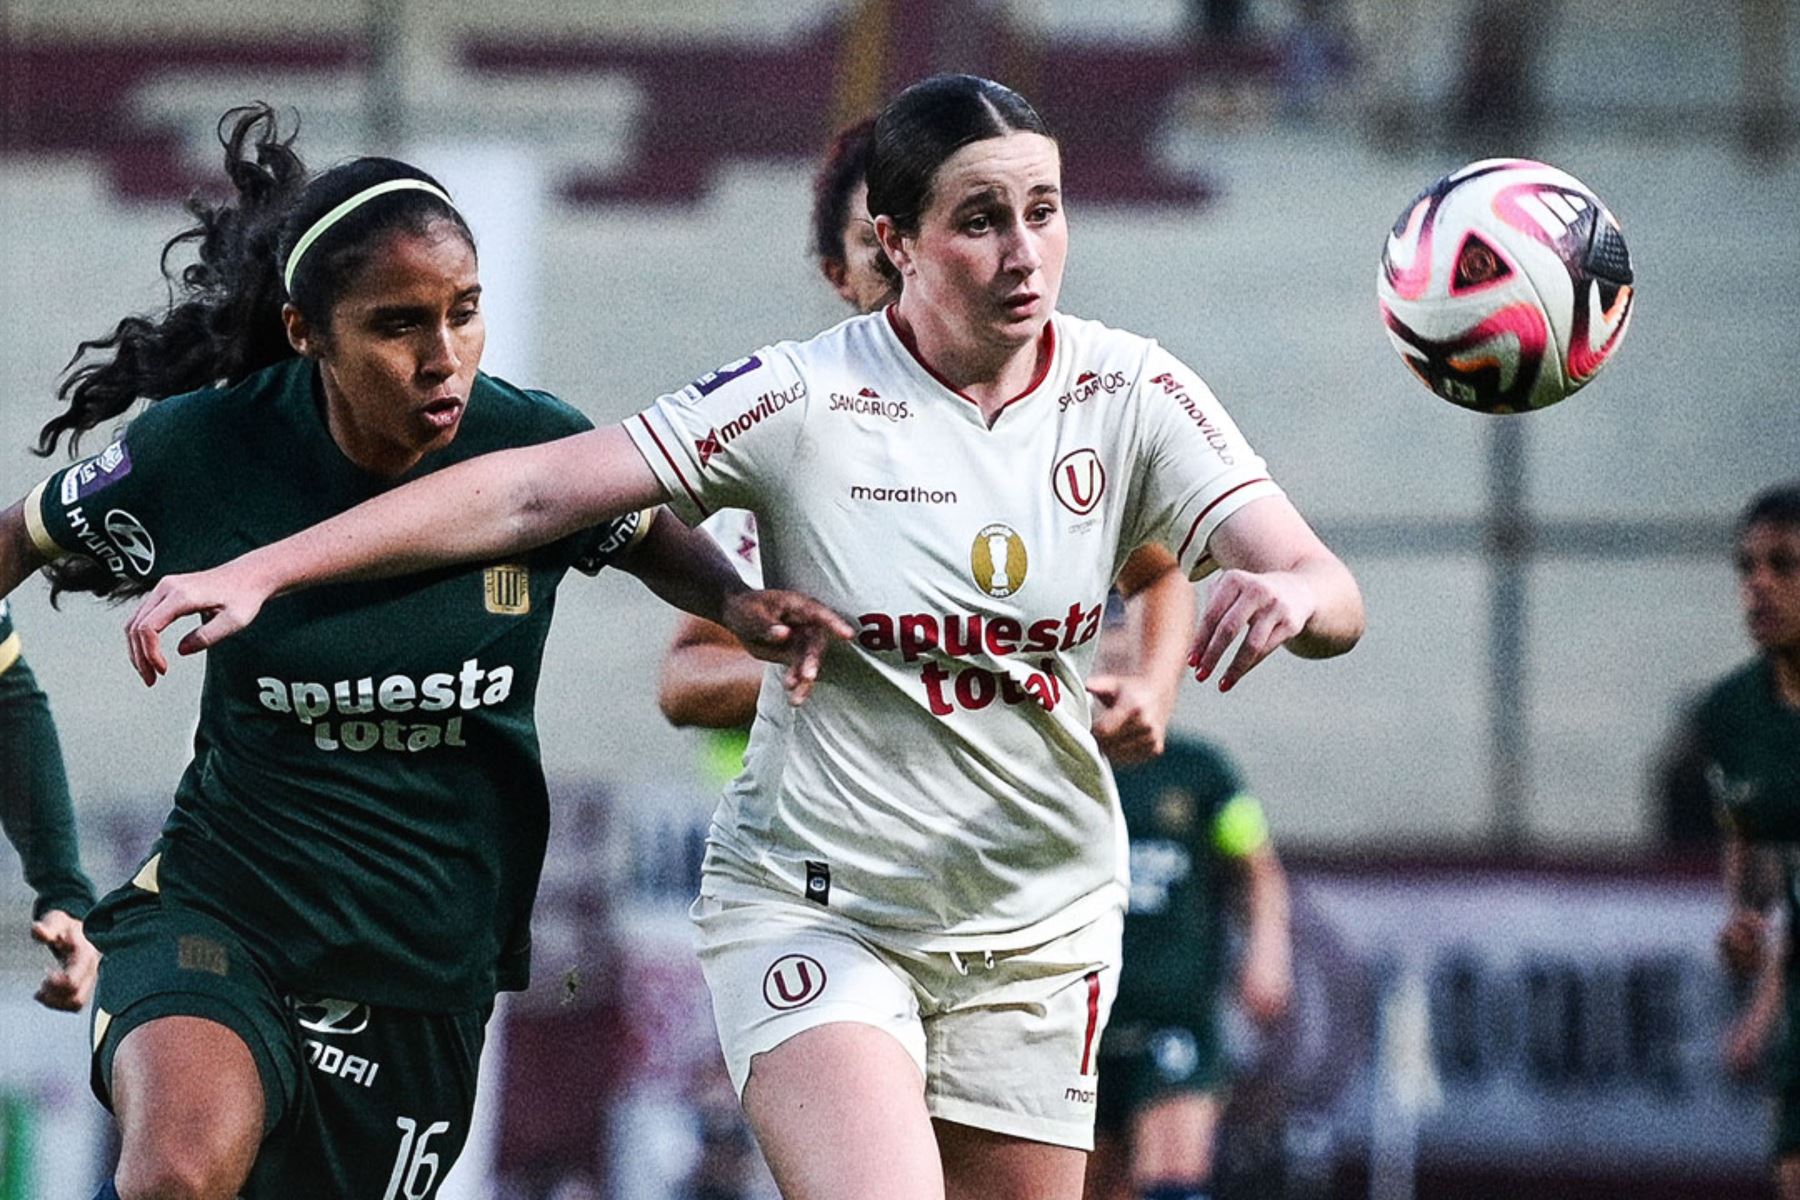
(1506, 286)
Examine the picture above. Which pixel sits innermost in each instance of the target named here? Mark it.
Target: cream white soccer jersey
(735, 532)
(942, 782)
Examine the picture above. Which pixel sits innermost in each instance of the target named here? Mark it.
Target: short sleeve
(734, 530)
(722, 440)
(594, 549)
(114, 506)
(1197, 467)
(600, 547)
(10, 647)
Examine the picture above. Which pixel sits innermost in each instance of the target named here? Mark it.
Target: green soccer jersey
(1750, 742)
(1177, 813)
(366, 805)
(34, 792)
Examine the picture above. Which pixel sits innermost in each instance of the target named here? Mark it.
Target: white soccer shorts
(1006, 1042)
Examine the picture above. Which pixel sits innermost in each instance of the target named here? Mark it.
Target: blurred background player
(1199, 842)
(708, 679)
(1747, 733)
(40, 823)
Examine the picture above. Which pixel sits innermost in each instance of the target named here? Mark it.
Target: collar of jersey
(1046, 356)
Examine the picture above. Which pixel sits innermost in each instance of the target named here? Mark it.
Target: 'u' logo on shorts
(793, 980)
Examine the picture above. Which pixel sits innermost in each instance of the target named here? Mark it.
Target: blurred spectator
(1497, 96)
(1684, 814)
(1315, 53)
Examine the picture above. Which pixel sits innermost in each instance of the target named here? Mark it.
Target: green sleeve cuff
(1240, 829)
(75, 903)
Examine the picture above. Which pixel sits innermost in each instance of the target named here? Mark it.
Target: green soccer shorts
(357, 1100)
(1142, 1061)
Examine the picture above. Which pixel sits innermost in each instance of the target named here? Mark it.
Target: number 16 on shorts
(415, 1167)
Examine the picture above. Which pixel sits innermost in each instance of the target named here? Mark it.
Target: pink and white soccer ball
(1506, 286)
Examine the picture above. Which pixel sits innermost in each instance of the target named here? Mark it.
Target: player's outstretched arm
(1267, 980)
(1281, 587)
(486, 507)
(708, 679)
(686, 568)
(19, 555)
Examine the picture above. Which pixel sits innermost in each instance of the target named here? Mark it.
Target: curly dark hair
(223, 321)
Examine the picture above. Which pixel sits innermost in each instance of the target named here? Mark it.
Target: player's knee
(175, 1176)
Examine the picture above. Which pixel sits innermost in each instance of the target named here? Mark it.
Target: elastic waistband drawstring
(962, 967)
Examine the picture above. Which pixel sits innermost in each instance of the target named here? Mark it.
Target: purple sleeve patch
(706, 385)
(90, 475)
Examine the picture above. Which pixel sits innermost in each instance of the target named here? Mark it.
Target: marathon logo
(1215, 437)
(1088, 385)
(469, 689)
(902, 495)
(767, 405)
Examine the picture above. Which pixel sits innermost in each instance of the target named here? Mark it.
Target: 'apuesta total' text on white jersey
(942, 782)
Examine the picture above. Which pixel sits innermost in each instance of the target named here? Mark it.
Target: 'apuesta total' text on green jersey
(366, 804)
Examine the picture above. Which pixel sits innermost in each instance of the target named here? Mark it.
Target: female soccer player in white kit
(910, 910)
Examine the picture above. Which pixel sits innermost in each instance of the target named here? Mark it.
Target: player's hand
(1266, 989)
(1133, 717)
(1742, 940)
(1267, 607)
(785, 627)
(227, 598)
(70, 982)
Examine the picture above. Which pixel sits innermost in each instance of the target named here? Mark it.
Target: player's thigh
(192, 1048)
(980, 1164)
(1012, 1038)
(822, 1036)
(386, 1106)
(776, 970)
(1105, 1177)
(1172, 1138)
(189, 1103)
(839, 1110)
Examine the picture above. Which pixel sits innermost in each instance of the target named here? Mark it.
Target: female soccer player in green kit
(296, 980)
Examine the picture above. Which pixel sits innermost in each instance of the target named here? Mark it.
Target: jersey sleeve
(1198, 468)
(600, 547)
(734, 530)
(594, 549)
(35, 810)
(115, 507)
(725, 439)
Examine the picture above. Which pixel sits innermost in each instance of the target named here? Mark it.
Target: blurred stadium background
(1506, 977)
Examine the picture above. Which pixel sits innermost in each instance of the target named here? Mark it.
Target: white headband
(345, 209)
